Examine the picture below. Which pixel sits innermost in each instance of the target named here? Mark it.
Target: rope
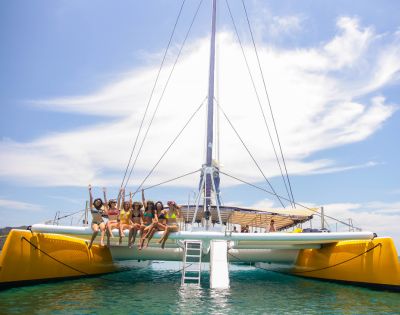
(248, 151)
(170, 180)
(173, 141)
(163, 92)
(55, 259)
(324, 268)
(83, 272)
(298, 204)
(69, 215)
(152, 92)
(342, 262)
(258, 99)
(269, 102)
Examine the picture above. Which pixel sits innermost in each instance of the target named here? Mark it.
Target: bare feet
(140, 246)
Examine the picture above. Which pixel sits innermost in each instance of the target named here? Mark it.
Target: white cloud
(379, 217)
(11, 205)
(315, 93)
(285, 25)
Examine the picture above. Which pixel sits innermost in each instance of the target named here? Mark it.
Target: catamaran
(207, 233)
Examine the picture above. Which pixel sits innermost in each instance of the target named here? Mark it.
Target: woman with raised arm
(124, 215)
(149, 217)
(113, 213)
(97, 219)
(136, 221)
(172, 223)
(160, 225)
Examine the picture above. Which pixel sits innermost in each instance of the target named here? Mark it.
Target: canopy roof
(260, 218)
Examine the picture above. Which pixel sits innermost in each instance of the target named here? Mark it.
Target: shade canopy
(256, 218)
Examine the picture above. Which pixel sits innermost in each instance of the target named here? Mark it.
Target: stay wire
(284, 198)
(258, 100)
(70, 214)
(248, 151)
(152, 92)
(172, 143)
(163, 92)
(269, 102)
(169, 180)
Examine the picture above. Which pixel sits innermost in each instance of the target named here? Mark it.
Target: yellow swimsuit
(124, 216)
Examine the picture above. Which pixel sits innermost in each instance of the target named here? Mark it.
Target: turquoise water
(157, 290)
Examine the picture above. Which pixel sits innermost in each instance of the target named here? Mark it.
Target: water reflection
(157, 290)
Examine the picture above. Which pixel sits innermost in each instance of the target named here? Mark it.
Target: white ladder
(192, 262)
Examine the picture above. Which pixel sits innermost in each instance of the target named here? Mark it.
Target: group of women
(146, 216)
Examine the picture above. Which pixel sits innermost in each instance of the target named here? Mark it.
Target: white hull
(275, 247)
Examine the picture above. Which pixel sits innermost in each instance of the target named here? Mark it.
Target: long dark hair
(162, 206)
(150, 206)
(95, 201)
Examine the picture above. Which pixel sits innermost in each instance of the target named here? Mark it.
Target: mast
(210, 108)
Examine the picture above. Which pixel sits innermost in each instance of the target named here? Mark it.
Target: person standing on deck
(272, 226)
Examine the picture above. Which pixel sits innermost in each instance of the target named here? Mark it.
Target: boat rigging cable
(169, 147)
(151, 94)
(269, 102)
(298, 204)
(248, 151)
(163, 92)
(259, 101)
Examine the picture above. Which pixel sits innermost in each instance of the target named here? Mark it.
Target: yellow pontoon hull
(28, 257)
(374, 262)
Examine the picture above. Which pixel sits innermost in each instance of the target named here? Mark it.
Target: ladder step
(192, 262)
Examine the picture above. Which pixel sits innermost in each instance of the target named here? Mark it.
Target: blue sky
(76, 76)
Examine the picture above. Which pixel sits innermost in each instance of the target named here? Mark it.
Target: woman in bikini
(172, 224)
(113, 213)
(160, 225)
(124, 215)
(97, 219)
(149, 217)
(136, 222)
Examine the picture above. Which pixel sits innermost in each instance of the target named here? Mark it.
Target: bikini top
(136, 215)
(172, 216)
(96, 211)
(113, 214)
(162, 216)
(148, 214)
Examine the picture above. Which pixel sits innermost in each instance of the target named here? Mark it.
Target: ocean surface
(157, 290)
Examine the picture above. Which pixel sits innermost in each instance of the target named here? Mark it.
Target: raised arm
(105, 198)
(121, 195)
(178, 211)
(90, 197)
(144, 200)
(130, 201)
